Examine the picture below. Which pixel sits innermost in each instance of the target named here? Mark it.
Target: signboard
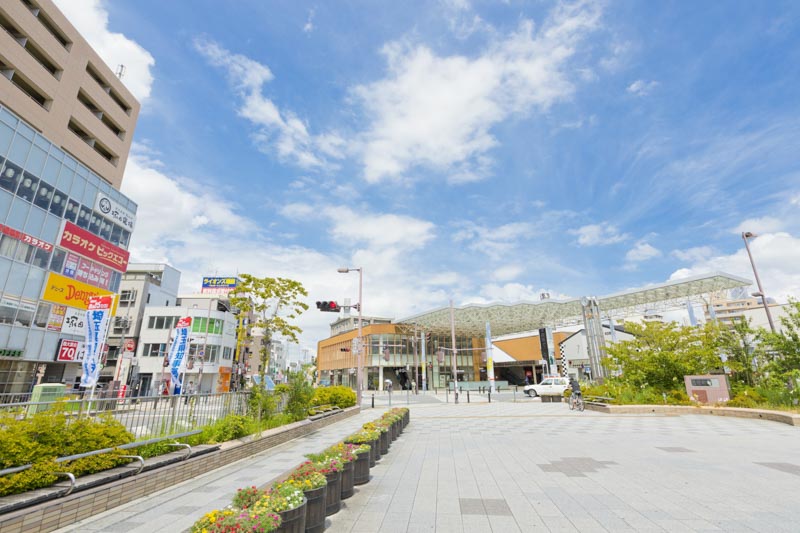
(65, 291)
(93, 247)
(130, 345)
(93, 274)
(71, 265)
(217, 285)
(10, 353)
(114, 212)
(56, 317)
(70, 351)
(24, 237)
(74, 322)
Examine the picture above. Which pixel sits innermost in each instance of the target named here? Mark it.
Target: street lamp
(360, 270)
(745, 236)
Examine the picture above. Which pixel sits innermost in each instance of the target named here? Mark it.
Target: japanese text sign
(93, 247)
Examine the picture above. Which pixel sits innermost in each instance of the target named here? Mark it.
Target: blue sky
(479, 151)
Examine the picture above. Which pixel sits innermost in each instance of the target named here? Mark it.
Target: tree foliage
(784, 356)
(273, 304)
(660, 354)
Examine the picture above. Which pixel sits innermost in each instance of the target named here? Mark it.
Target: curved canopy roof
(529, 316)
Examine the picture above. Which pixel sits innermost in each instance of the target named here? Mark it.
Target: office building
(66, 125)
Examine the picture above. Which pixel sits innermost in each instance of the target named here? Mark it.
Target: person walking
(190, 390)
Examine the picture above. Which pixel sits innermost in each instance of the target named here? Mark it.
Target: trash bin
(46, 392)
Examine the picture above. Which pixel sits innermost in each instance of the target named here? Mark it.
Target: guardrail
(146, 415)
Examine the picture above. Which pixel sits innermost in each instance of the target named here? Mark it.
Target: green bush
(299, 397)
(45, 436)
(339, 395)
(262, 403)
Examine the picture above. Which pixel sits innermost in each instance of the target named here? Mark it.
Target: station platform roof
(522, 316)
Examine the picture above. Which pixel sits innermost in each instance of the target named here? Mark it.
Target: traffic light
(331, 307)
(344, 349)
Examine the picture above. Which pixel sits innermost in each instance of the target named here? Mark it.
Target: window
(71, 213)
(58, 203)
(127, 298)
(154, 350)
(40, 258)
(57, 264)
(159, 322)
(8, 246)
(148, 298)
(42, 314)
(27, 187)
(10, 176)
(8, 308)
(151, 322)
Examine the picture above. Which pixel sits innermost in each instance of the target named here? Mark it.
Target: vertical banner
(97, 320)
(178, 350)
(489, 358)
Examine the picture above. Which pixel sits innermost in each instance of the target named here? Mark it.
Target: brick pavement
(529, 466)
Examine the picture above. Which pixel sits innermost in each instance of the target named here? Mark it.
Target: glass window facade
(40, 187)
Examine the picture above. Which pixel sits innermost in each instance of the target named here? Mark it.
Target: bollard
(515, 396)
(373, 400)
(467, 395)
(490, 395)
(408, 395)
(447, 396)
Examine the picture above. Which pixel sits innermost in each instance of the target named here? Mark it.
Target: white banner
(177, 352)
(74, 322)
(97, 319)
(114, 212)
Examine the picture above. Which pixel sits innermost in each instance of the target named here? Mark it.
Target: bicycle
(576, 401)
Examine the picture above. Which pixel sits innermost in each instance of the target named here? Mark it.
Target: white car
(547, 386)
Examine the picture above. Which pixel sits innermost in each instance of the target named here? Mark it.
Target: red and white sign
(70, 351)
(122, 390)
(184, 322)
(93, 274)
(100, 302)
(93, 247)
(130, 345)
(24, 237)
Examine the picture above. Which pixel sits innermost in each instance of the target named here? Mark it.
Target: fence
(146, 416)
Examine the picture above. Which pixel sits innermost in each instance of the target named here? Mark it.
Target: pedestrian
(414, 386)
(190, 390)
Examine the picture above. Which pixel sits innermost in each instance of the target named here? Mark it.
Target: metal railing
(145, 416)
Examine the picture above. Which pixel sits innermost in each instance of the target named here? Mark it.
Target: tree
(660, 354)
(742, 347)
(784, 356)
(273, 303)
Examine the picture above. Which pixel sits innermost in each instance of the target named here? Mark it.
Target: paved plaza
(520, 466)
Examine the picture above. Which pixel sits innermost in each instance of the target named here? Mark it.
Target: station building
(529, 340)
(66, 126)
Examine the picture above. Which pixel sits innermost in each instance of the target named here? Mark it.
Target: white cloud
(278, 131)
(437, 111)
(496, 242)
(512, 292)
(696, 254)
(308, 27)
(297, 211)
(90, 18)
(761, 225)
(599, 234)
(776, 255)
(642, 251)
(642, 87)
(378, 231)
(507, 272)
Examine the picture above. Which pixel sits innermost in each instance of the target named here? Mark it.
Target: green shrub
(262, 403)
(299, 397)
(45, 436)
(339, 395)
(282, 388)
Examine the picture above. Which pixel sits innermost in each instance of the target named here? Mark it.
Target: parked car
(555, 385)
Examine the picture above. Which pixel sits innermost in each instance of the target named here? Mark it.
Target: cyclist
(576, 391)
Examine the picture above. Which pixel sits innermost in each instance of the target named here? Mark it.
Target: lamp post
(745, 236)
(360, 270)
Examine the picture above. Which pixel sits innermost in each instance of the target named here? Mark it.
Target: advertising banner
(114, 212)
(93, 247)
(74, 322)
(71, 264)
(65, 291)
(98, 316)
(24, 237)
(93, 274)
(217, 285)
(70, 351)
(177, 352)
(56, 318)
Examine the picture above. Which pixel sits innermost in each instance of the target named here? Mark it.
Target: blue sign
(219, 283)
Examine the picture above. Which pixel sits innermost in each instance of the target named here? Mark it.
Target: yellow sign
(67, 291)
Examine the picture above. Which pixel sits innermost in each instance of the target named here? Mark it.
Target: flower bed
(312, 491)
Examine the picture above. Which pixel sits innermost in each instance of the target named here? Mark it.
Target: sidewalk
(177, 508)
